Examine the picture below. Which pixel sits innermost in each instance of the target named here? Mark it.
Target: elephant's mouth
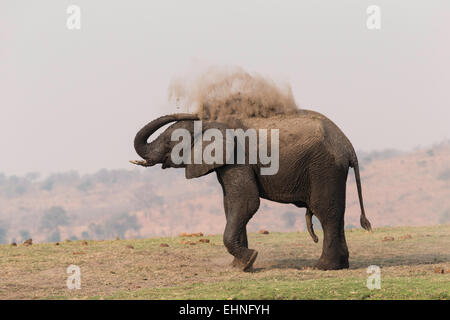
(165, 162)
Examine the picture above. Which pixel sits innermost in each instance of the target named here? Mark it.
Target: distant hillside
(399, 189)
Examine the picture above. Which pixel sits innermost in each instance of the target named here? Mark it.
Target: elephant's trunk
(140, 141)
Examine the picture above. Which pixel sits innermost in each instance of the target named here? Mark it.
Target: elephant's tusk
(140, 163)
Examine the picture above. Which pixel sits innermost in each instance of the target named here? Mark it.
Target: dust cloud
(220, 92)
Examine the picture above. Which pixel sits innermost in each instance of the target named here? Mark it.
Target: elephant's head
(159, 150)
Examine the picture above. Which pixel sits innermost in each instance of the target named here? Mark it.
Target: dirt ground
(143, 269)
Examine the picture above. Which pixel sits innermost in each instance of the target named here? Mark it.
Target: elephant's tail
(363, 219)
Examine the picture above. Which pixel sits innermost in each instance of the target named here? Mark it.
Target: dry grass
(143, 269)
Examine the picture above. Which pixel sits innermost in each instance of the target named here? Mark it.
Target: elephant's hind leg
(328, 204)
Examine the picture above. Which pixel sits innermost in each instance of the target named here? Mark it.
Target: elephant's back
(310, 145)
(302, 128)
(306, 131)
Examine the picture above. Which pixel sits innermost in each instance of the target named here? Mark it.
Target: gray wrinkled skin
(315, 157)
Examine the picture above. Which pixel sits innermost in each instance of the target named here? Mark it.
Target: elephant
(314, 160)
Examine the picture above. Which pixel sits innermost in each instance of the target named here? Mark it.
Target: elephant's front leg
(234, 237)
(241, 201)
(242, 239)
(243, 243)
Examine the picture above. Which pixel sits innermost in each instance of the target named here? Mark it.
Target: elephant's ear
(215, 143)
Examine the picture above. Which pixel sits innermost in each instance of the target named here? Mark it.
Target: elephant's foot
(245, 264)
(332, 264)
(235, 263)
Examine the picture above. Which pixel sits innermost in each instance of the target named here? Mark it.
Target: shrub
(54, 237)
(444, 175)
(53, 218)
(3, 233)
(289, 218)
(445, 217)
(24, 235)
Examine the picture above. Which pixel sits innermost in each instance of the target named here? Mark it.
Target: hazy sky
(74, 99)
